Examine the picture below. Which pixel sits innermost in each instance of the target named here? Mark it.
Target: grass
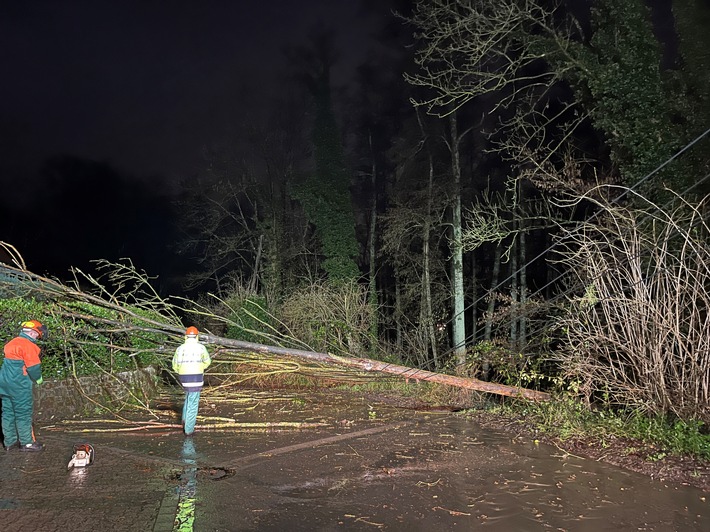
(566, 418)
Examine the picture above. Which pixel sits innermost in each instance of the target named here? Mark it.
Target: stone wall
(62, 399)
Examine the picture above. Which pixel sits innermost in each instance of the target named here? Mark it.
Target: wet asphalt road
(361, 467)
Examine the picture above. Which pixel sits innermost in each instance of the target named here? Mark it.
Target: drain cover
(217, 473)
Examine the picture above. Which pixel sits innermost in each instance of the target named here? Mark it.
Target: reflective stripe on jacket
(189, 362)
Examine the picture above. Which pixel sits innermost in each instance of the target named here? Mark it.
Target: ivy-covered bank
(94, 358)
(83, 338)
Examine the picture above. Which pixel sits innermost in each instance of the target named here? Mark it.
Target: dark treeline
(77, 211)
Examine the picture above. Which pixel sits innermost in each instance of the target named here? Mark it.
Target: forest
(512, 191)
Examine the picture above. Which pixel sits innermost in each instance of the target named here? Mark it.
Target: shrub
(330, 317)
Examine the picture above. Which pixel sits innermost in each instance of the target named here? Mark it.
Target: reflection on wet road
(352, 465)
(187, 491)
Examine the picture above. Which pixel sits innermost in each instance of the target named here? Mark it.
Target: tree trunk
(514, 290)
(371, 237)
(426, 258)
(495, 274)
(426, 295)
(458, 321)
(522, 326)
(488, 329)
(366, 364)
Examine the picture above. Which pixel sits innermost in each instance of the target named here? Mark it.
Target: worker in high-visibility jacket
(189, 362)
(21, 368)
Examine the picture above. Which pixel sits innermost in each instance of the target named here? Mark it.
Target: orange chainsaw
(82, 457)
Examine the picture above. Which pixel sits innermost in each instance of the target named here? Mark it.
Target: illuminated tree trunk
(458, 321)
(365, 364)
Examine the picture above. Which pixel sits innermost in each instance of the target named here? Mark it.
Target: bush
(637, 337)
(497, 362)
(330, 317)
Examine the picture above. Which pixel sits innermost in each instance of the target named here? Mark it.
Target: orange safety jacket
(24, 350)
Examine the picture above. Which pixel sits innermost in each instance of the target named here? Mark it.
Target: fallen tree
(367, 364)
(140, 311)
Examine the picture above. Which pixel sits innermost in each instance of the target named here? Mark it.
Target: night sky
(133, 91)
(143, 85)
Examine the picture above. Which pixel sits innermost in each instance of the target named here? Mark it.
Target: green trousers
(189, 411)
(17, 405)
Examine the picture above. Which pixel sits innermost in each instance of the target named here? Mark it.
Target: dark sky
(144, 84)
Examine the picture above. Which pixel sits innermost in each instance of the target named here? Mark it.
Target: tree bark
(514, 302)
(366, 364)
(426, 237)
(458, 321)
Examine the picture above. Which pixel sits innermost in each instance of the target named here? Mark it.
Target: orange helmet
(34, 325)
(192, 331)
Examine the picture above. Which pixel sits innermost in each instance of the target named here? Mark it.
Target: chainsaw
(83, 456)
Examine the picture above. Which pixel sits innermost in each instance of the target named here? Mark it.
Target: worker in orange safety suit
(20, 369)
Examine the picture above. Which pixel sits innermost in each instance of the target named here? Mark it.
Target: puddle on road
(373, 466)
